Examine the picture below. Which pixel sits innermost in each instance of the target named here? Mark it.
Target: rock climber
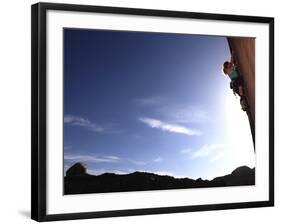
(236, 84)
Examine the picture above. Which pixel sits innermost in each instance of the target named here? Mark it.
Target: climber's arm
(232, 59)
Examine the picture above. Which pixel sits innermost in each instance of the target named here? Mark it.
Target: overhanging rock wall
(244, 54)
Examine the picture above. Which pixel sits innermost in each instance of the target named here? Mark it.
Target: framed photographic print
(139, 111)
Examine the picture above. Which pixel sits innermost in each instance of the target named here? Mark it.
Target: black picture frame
(38, 108)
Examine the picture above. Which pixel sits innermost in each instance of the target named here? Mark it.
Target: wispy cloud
(82, 122)
(67, 147)
(158, 160)
(187, 150)
(168, 127)
(143, 163)
(149, 101)
(91, 158)
(206, 151)
(102, 159)
(218, 156)
(184, 114)
(137, 162)
(112, 157)
(211, 151)
(175, 113)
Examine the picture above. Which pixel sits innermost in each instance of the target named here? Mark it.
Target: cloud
(67, 147)
(158, 160)
(212, 151)
(149, 101)
(112, 157)
(175, 113)
(206, 151)
(101, 159)
(82, 122)
(184, 114)
(91, 158)
(168, 127)
(187, 150)
(142, 163)
(219, 156)
(137, 162)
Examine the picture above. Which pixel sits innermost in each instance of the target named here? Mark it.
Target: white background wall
(15, 110)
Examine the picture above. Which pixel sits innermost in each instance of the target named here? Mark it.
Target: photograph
(147, 111)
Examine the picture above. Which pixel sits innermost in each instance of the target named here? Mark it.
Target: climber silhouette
(236, 84)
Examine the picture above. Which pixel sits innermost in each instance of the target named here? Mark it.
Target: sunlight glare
(239, 139)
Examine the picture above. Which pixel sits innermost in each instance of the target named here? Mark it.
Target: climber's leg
(241, 90)
(243, 103)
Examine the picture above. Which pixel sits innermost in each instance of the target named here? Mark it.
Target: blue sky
(152, 102)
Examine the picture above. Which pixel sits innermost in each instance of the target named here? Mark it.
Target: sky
(152, 102)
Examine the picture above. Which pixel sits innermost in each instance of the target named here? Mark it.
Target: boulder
(78, 169)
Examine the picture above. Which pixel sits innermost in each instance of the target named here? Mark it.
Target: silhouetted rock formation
(78, 169)
(241, 176)
(141, 181)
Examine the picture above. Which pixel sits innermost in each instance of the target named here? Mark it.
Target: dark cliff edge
(78, 181)
(243, 49)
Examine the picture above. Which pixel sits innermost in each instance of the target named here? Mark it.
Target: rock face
(241, 174)
(78, 169)
(141, 181)
(244, 53)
